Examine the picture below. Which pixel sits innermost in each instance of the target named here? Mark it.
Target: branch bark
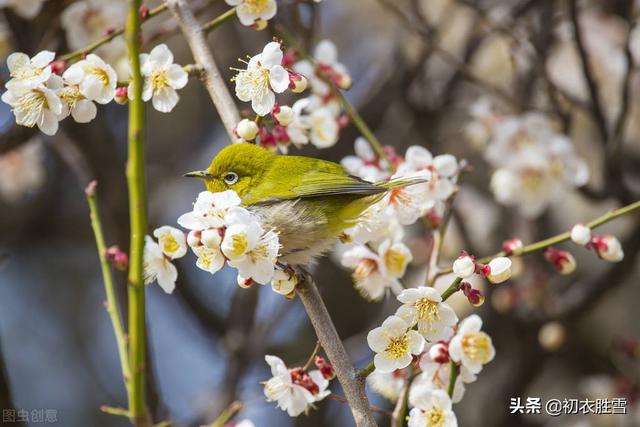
(352, 385)
(210, 75)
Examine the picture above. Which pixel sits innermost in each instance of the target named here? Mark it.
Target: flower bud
(439, 352)
(245, 282)
(247, 129)
(119, 259)
(58, 67)
(499, 270)
(326, 368)
(122, 96)
(464, 266)
(259, 24)
(283, 284)
(211, 238)
(608, 248)
(143, 11)
(343, 81)
(474, 296)
(562, 261)
(300, 377)
(297, 82)
(580, 234)
(284, 115)
(513, 246)
(551, 336)
(193, 238)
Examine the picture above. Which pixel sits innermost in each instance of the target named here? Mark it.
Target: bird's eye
(230, 178)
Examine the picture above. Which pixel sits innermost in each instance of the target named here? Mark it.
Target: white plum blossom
(470, 346)
(158, 267)
(375, 225)
(26, 9)
(436, 376)
(74, 103)
(365, 163)
(423, 307)
(259, 262)
(85, 21)
(411, 202)
(534, 164)
(172, 241)
(29, 72)
(35, 106)
(432, 408)
(580, 234)
(375, 272)
(323, 128)
(292, 389)
(210, 258)
(325, 55)
(97, 79)
(264, 76)
(388, 384)
(209, 210)
(240, 238)
(283, 283)
(250, 11)
(394, 343)
(22, 171)
(161, 78)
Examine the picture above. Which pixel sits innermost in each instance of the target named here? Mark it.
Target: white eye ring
(230, 178)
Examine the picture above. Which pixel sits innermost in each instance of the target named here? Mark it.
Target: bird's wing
(315, 183)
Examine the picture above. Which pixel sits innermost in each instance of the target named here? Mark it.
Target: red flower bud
(58, 67)
(300, 377)
(119, 259)
(562, 261)
(512, 246)
(326, 368)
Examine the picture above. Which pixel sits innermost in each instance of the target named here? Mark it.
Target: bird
(308, 202)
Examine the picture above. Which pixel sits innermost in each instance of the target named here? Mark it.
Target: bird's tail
(402, 182)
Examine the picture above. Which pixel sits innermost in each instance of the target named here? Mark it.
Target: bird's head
(238, 167)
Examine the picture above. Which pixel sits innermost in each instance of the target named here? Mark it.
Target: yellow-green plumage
(307, 201)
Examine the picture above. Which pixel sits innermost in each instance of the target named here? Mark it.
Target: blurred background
(443, 74)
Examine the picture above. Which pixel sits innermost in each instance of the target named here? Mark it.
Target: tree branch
(352, 385)
(210, 76)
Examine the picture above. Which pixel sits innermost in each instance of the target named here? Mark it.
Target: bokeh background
(418, 67)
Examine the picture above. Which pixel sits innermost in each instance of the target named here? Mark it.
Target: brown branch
(328, 336)
(210, 76)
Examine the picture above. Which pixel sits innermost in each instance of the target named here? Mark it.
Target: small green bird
(307, 201)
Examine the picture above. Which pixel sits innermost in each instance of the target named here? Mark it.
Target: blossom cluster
(42, 92)
(220, 231)
(376, 252)
(315, 119)
(535, 165)
(424, 337)
(295, 390)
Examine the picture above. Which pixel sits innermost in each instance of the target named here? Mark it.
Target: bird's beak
(199, 174)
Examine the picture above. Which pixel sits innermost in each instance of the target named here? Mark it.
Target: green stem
(453, 375)
(112, 306)
(562, 237)
(77, 54)
(452, 289)
(359, 122)
(138, 221)
(316, 349)
(227, 414)
(218, 20)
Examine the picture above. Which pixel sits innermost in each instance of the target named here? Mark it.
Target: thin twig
(227, 414)
(400, 410)
(107, 38)
(328, 336)
(211, 77)
(313, 355)
(596, 105)
(453, 375)
(112, 306)
(559, 238)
